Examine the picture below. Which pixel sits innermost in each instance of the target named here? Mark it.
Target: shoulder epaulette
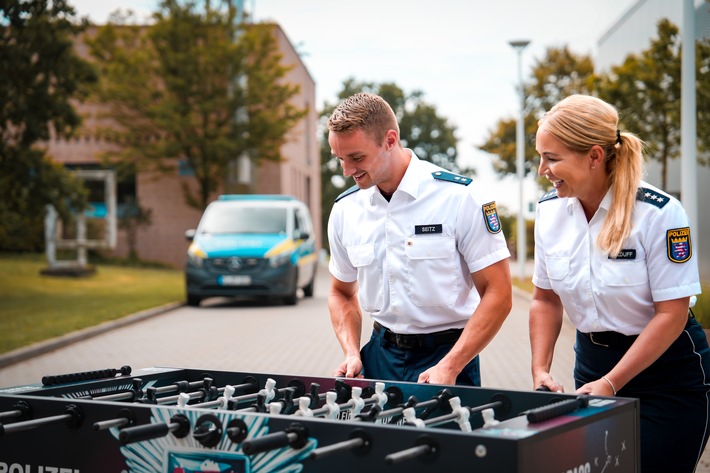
(652, 197)
(352, 190)
(549, 195)
(451, 177)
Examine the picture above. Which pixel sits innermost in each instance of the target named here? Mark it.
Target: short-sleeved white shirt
(412, 257)
(600, 293)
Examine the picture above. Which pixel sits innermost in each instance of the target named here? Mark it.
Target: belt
(610, 339)
(424, 340)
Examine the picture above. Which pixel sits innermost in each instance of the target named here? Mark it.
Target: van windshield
(224, 219)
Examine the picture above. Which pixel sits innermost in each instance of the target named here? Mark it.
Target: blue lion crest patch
(679, 246)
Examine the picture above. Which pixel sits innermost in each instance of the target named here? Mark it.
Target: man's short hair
(364, 111)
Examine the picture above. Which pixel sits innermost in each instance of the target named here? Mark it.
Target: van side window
(298, 224)
(302, 225)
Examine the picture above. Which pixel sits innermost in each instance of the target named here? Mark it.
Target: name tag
(427, 229)
(625, 254)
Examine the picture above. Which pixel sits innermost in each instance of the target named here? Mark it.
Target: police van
(251, 245)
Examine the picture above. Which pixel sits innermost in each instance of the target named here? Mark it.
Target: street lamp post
(520, 161)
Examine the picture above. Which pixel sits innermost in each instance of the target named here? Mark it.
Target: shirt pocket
(557, 267)
(369, 277)
(624, 273)
(433, 275)
(361, 255)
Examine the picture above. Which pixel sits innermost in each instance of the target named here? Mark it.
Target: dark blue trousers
(385, 361)
(674, 396)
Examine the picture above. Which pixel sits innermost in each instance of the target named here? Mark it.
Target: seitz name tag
(427, 229)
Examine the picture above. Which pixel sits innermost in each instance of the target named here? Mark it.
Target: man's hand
(437, 375)
(351, 367)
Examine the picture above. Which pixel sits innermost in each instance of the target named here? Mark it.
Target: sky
(456, 52)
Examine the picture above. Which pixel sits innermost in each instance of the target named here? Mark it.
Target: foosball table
(178, 420)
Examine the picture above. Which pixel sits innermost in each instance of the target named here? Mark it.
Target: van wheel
(308, 289)
(291, 299)
(193, 301)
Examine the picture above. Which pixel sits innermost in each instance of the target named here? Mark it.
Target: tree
(195, 85)
(646, 91)
(559, 74)
(421, 128)
(41, 74)
(702, 61)
(646, 88)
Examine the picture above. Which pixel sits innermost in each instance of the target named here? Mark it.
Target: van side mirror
(190, 234)
(301, 235)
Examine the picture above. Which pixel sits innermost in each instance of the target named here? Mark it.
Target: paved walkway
(256, 340)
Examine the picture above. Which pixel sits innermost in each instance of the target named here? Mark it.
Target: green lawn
(34, 307)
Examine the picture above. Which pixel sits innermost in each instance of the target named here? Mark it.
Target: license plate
(235, 280)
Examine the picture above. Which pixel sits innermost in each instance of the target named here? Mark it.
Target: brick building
(298, 173)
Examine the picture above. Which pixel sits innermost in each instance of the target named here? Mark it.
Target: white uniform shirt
(604, 294)
(412, 257)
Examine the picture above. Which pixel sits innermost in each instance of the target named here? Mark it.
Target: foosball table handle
(179, 425)
(556, 409)
(296, 436)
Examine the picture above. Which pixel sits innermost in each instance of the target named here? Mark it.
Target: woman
(616, 255)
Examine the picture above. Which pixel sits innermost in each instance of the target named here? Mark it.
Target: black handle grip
(556, 409)
(85, 376)
(142, 432)
(266, 443)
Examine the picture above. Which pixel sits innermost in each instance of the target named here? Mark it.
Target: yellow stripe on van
(307, 259)
(284, 246)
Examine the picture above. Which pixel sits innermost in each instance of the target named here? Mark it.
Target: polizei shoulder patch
(451, 177)
(352, 190)
(652, 197)
(680, 249)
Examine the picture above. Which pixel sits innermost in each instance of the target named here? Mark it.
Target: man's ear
(391, 139)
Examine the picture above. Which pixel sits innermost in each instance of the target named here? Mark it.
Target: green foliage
(421, 128)
(41, 74)
(559, 74)
(702, 97)
(195, 85)
(36, 307)
(28, 182)
(509, 224)
(40, 71)
(646, 89)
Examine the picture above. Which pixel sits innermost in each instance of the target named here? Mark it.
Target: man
(416, 248)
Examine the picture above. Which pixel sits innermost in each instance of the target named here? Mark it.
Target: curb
(39, 348)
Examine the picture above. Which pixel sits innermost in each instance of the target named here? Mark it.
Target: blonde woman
(616, 254)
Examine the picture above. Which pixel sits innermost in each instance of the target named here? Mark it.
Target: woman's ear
(596, 157)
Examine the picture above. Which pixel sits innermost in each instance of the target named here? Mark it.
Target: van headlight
(280, 259)
(196, 255)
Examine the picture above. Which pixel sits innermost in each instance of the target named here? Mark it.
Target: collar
(574, 203)
(410, 180)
